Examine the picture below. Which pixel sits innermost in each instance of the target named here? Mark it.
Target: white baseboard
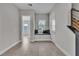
(9, 47)
(67, 54)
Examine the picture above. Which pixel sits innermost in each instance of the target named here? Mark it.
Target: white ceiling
(38, 7)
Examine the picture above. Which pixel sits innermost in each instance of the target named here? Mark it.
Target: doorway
(26, 30)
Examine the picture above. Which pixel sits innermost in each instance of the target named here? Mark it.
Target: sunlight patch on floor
(25, 43)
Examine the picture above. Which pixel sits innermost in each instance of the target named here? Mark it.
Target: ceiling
(37, 7)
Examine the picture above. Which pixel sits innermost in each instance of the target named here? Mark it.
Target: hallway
(41, 48)
(44, 23)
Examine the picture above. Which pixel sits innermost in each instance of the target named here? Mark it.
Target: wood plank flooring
(34, 49)
(27, 48)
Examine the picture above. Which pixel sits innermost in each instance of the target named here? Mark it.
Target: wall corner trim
(66, 54)
(6, 49)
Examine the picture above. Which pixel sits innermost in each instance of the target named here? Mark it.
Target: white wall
(65, 38)
(42, 17)
(9, 26)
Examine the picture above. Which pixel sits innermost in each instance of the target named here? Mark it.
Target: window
(41, 26)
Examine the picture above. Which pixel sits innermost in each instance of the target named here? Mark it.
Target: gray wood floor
(34, 49)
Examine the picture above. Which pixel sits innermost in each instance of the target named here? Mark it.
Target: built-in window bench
(44, 36)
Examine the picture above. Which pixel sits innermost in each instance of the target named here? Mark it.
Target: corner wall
(65, 38)
(9, 26)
